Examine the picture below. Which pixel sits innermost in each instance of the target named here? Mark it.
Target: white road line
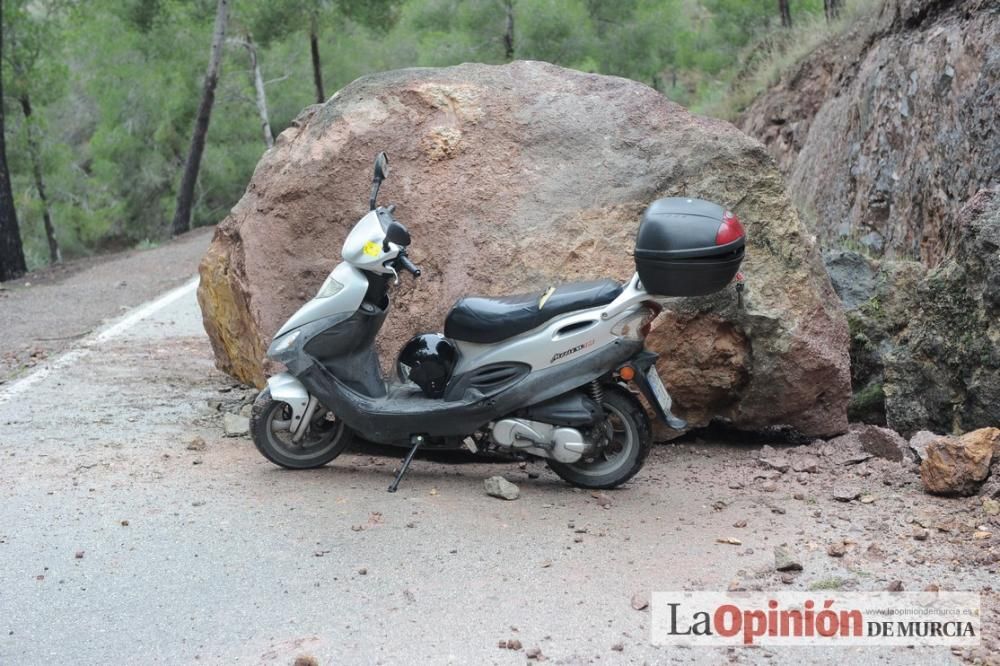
(85, 347)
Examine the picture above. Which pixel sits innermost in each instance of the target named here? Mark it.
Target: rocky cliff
(885, 132)
(516, 177)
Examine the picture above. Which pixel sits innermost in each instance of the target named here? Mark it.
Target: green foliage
(115, 84)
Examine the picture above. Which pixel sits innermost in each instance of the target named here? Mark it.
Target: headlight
(636, 325)
(330, 288)
(284, 344)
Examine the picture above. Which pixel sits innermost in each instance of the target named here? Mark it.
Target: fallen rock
(847, 449)
(533, 653)
(895, 586)
(235, 425)
(920, 534)
(196, 444)
(958, 465)
(836, 549)
(504, 190)
(845, 493)
(771, 458)
(785, 561)
(497, 486)
(640, 601)
(808, 464)
(882, 442)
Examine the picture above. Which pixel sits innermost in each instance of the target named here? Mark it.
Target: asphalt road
(118, 544)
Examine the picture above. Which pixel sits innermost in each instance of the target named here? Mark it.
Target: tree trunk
(786, 13)
(12, 263)
(35, 153)
(832, 9)
(258, 85)
(185, 196)
(314, 51)
(508, 35)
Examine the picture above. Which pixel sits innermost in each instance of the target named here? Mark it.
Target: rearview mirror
(381, 173)
(381, 166)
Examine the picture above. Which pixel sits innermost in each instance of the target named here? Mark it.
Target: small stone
(845, 493)
(836, 549)
(362, 571)
(235, 425)
(196, 444)
(740, 523)
(806, 464)
(769, 486)
(933, 587)
(920, 534)
(502, 644)
(78, 555)
(991, 507)
(895, 586)
(787, 578)
(125, 523)
(736, 485)
(497, 486)
(867, 499)
(640, 601)
(533, 653)
(785, 561)
(306, 660)
(731, 541)
(513, 644)
(246, 410)
(799, 496)
(618, 647)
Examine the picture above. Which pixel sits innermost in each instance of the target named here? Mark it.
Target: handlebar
(406, 264)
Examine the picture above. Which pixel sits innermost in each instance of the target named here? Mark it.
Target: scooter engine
(566, 445)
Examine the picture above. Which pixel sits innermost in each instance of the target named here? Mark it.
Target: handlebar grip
(408, 265)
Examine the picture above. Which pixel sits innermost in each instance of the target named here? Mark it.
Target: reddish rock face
(512, 178)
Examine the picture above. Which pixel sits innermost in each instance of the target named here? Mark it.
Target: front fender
(287, 389)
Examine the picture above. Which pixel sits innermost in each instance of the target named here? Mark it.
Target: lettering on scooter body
(572, 350)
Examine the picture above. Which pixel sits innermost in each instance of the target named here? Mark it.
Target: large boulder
(511, 178)
(884, 131)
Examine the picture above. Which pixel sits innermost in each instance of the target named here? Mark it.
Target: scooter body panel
(343, 291)
(405, 410)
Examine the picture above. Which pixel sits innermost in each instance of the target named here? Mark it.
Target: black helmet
(427, 360)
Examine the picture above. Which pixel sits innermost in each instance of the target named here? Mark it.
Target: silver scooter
(546, 374)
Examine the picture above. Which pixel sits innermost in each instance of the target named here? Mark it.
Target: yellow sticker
(373, 249)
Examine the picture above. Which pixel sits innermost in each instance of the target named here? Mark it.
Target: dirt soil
(129, 525)
(50, 309)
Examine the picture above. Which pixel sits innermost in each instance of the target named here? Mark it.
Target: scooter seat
(487, 320)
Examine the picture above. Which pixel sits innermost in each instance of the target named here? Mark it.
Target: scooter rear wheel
(325, 439)
(625, 443)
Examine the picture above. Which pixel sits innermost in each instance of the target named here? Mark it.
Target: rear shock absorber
(596, 391)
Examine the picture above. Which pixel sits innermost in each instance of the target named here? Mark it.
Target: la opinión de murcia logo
(804, 618)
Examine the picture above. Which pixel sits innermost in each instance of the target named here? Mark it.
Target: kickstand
(416, 440)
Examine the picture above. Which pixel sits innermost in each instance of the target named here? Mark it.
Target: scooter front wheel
(624, 441)
(325, 439)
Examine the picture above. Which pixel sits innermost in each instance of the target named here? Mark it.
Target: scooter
(552, 375)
